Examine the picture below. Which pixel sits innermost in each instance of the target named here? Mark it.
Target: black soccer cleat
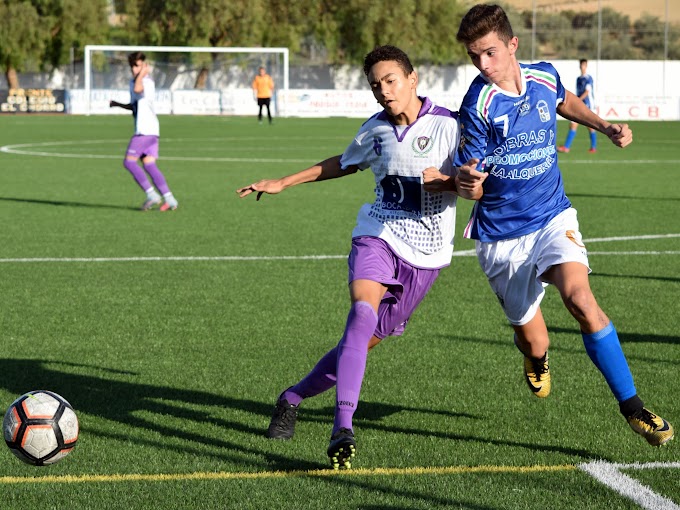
(282, 424)
(342, 449)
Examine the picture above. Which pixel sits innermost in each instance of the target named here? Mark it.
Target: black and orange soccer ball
(40, 427)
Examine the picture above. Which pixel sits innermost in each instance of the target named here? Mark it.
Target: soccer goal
(189, 80)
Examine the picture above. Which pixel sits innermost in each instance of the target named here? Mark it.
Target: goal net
(189, 80)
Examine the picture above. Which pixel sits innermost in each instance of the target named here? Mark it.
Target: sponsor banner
(327, 103)
(32, 101)
(100, 98)
(638, 108)
(196, 102)
(243, 102)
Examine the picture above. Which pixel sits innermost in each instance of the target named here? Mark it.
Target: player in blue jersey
(526, 230)
(400, 242)
(584, 91)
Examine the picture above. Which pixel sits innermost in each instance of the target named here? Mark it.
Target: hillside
(632, 8)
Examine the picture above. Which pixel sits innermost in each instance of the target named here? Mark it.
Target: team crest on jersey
(543, 111)
(422, 145)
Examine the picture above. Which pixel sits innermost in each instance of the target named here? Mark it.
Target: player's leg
(134, 150)
(564, 263)
(532, 341)
(570, 138)
(510, 267)
(362, 320)
(269, 113)
(149, 160)
(260, 104)
(593, 140)
(320, 379)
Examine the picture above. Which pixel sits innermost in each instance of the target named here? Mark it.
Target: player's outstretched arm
(116, 104)
(327, 169)
(572, 108)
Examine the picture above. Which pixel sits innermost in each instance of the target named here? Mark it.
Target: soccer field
(171, 334)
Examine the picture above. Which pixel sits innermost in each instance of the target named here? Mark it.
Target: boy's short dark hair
(583, 61)
(135, 56)
(481, 20)
(384, 53)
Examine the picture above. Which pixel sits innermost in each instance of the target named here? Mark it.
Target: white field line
(236, 258)
(26, 149)
(610, 475)
(467, 253)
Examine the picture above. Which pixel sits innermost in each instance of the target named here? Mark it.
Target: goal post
(190, 59)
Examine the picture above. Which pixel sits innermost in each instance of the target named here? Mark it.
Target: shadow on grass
(620, 197)
(67, 204)
(638, 277)
(127, 402)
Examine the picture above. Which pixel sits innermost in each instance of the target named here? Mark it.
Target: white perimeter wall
(624, 90)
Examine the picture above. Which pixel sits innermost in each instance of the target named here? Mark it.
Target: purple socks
(344, 366)
(352, 353)
(141, 178)
(137, 173)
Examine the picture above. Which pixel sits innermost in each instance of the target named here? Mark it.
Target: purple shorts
(143, 145)
(372, 259)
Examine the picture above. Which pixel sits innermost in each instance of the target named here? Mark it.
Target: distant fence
(648, 91)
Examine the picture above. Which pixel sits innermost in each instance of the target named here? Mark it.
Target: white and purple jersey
(146, 122)
(583, 83)
(513, 135)
(417, 225)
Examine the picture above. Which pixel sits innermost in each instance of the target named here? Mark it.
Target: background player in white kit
(144, 142)
(400, 242)
(526, 229)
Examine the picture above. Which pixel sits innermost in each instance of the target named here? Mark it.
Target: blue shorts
(372, 259)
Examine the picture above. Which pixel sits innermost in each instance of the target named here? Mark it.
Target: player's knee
(581, 303)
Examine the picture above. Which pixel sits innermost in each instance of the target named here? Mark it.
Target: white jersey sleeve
(146, 121)
(418, 226)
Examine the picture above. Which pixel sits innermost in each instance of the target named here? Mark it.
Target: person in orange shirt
(263, 86)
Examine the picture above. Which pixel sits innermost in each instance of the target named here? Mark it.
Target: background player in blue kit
(526, 231)
(584, 91)
(400, 242)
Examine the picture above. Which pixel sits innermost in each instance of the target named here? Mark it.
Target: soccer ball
(40, 427)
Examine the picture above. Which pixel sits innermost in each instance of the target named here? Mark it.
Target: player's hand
(269, 186)
(620, 134)
(434, 181)
(469, 180)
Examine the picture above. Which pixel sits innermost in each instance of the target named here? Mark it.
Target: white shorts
(514, 266)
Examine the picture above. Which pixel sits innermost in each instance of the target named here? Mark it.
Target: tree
(38, 34)
(22, 39)
(217, 23)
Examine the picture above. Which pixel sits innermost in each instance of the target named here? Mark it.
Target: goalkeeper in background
(144, 143)
(263, 87)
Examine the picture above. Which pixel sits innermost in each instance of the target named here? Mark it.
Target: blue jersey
(583, 83)
(513, 135)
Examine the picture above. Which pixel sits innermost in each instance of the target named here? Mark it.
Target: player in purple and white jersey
(144, 143)
(400, 242)
(526, 229)
(584, 91)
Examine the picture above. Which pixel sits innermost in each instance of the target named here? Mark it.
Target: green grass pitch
(171, 334)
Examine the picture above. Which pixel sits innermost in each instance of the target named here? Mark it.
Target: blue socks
(605, 351)
(593, 140)
(570, 138)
